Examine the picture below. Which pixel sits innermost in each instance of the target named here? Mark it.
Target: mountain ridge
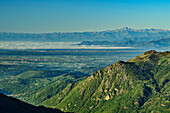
(122, 87)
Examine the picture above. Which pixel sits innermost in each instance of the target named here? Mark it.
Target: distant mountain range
(121, 35)
(140, 85)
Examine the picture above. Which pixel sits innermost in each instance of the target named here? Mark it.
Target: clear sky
(82, 15)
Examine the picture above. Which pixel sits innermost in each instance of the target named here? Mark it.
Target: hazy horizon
(53, 45)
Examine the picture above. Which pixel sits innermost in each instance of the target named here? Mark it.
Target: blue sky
(82, 15)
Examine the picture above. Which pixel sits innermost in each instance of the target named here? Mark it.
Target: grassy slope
(36, 86)
(138, 85)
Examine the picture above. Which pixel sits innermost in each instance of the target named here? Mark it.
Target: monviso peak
(125, 28)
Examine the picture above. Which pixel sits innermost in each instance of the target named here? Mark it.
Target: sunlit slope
(138, 85)
(36, 86)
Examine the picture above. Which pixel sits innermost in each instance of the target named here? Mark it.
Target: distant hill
(138, 85)
(12, 105)
(154, 44)
(123, 34)
(97, 43)
(162, 43)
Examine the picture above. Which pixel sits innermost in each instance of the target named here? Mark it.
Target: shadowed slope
(12, 105)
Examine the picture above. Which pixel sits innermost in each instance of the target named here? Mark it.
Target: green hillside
(138, 85)
(12, 105)
(36, 86)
